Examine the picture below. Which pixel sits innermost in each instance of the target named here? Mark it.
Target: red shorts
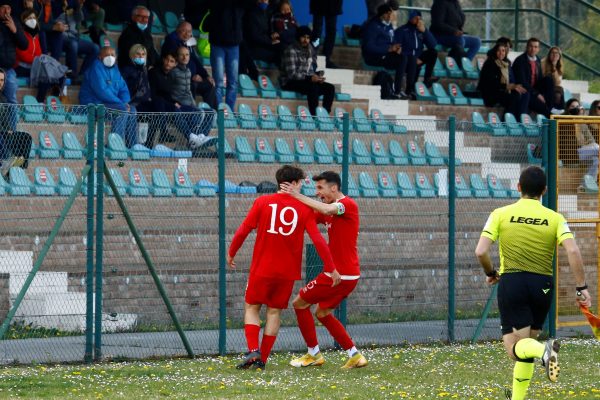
(273, 292)
(319, 291)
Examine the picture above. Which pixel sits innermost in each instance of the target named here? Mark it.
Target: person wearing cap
(11, 37)
(413, 37)
(380, 49)
(298, 72)
(447, 22)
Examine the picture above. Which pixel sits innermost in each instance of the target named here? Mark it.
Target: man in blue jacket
(379, 47)
(103, 84)
(413, 36)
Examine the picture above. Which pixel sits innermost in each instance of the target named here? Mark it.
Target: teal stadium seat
(84, 188)
(243, 150)
(360, 153)
(324, 122)
(589, 184)
(529, 127)
(20, 185)
(378, 123)
(305, 119)
(229, 153)
(162, 151)
(230, 121)
(396, 126)
(55, 111)
(456, 95)
(140, 152)
(266, 119)
(116, 149)
(71, 149)
(338, 118)
(531, 158)
(361, 123)
(33, 111)
(433, 155)
(49, 148)
(479, 124)
(479, 61)
(43, 182)
(246, 86)
(171, 21)
(322, 153)
(303, 152)
(469, 70)
(205, 188)
(422, 92)
(66, 181)
(106, 41)
(541, 119)
(182, 184)
(513, 127)
(478, 188)
(343, 97)
(424, 187)
(157, 26)
(77, 115)
(285, 119)
(266, 88)
(287, 94)
(441, 97)
(497, 190)
(34, 150)
(120, 183)
(138, 185)
(386, 185)
(367, 187)
(406, 188)
(453, 69)
(283, 152)
(415, 154)
(161, 187)
(498, 128)
(397, 154)
(308, 186)
(350, 42)
(3, 186)
(352, 188)
(379, 154)
(264, 151)
(246, 118)
(461, 188)
(439, 70)
(338, 151)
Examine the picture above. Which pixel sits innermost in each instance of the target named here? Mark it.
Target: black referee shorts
(524, 299)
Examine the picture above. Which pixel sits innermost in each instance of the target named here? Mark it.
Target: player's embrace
(280, 222)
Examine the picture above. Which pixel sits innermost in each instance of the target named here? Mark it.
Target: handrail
(589, 5)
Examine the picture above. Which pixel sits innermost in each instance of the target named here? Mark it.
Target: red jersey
(280, 222)
(342, 230)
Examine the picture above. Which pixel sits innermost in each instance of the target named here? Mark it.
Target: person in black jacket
(327, 10)
(528, 72)
(496, 86)
(137, 31)
(447, 22)
(11, 37)
(225, 35)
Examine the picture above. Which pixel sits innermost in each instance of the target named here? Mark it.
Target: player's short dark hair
(289, 173)
(532, 181)
(329, 177)
(532, 40)
(505, 41)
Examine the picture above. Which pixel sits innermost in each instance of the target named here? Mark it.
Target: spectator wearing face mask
(137, 31)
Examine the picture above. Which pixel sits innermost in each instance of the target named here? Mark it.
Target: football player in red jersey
(339, 213)
(280, 221)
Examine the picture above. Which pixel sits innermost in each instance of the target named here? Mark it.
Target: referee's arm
(576, 264)
(483, 255)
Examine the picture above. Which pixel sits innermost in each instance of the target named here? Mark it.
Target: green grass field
(479, 372)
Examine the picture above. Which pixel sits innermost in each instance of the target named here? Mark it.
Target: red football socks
(337, 330)
(251, 332)
(265, 346)
(306, 323)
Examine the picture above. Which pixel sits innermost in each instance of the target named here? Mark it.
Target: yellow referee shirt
(528, 233)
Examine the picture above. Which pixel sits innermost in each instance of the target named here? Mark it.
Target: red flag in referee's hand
(592, 319)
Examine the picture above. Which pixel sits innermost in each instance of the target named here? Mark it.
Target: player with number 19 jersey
(280, 222)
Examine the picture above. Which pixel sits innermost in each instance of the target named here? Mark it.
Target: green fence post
(314, 264)
(517, 11)
(341, 312)
(222, 236)
(556, 25)
(552, 204)
(89, 275)
(101, 117)
(451, 225)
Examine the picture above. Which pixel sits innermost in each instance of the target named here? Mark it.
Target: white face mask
(191, 41)
(31, 23)
(109, 61)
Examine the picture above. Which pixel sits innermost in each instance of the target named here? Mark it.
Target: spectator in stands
(202, 83)
(284, 24)
(60, 20)
(447, 22)
(552, 72)
(380, 49)
(135, 75)
(225, 36)
(160, 88)
(259, 42)
(496, 86)
(578, 136)
(413, 37)
(191, 124)
(327, 10)
(528, 73)
(595, 112)
(11, 38)
(14, 145)
(104, 84)
(373, 5)
(298, 72)
(34, 49)
(94, 20)
(137, 31)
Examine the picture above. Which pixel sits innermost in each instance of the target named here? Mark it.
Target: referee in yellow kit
(528, 234)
